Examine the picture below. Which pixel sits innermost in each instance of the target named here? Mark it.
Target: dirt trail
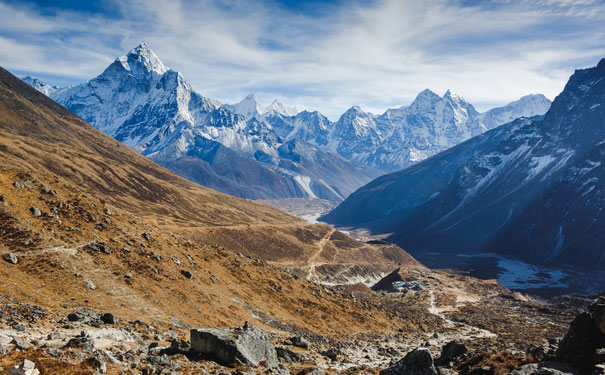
(467, 330)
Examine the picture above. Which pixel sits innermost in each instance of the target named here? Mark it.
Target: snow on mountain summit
(251, 107)
(142, 57)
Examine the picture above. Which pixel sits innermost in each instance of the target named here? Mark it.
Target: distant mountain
(43, 87)
(239, 148)
(533, 188)
(403, 136)
(250, 107)
(151, 108)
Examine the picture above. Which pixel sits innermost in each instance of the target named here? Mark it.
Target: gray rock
(90, 285)
(299, 341)
(18, 185)
(453, 349)
(21, 343)
(290, 356)
(35, 211)
(83, 341)
(3, 200)
(417, 362)
(544, 368)
(187, 274)
(11, 258)
(146, 236)
(99, 363)
(228, 346)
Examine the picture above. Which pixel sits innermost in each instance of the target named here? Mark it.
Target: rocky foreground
(84, 341)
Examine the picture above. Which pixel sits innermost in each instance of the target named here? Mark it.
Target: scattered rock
(83, 341)
(109, 318)
(289, 356)
(299, 341)
(90, 285)
(451, 352)
(98, 363)
(26, 368)
(331, 354)
(18, 185)
(48, 191)
(228, 346)
(21, 343)
(146, 236)
(11, 258)
(187, 274)
(417, 362)
(3, 200)
(35, 211)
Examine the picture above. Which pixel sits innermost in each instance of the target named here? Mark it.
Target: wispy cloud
(326, 56)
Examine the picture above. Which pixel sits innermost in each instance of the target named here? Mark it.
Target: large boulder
(451, 352)
(417, 362)
(580, 344)
(247, 345)
(597, 310)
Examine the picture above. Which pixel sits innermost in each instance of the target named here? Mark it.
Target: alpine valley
(531, 190)
(251, 151)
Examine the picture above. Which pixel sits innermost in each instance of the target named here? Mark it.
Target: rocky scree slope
(531, 189)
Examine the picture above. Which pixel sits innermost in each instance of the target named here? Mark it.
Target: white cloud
(376, 55)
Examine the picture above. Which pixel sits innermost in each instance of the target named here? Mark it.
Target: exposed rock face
(417, 362)
(249, 346)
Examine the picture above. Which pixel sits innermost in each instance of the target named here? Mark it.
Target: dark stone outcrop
(417, 362)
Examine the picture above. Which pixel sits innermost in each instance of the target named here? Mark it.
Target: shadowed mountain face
(533, 188)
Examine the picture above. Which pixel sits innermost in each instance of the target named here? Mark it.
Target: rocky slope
(531, 189)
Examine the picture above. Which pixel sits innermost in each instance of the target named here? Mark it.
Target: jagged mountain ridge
(151, 108)
(532, 189)
(43, 87)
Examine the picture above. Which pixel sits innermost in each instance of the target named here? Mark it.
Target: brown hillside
(37, 134)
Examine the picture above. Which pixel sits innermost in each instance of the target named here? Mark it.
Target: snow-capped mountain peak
(249, 107)
(278, 108)
(142, 57)
(43, 87)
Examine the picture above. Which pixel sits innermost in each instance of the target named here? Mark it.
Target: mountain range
(257, 152)
(532, 189)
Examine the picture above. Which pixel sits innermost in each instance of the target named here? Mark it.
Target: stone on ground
(247, 345)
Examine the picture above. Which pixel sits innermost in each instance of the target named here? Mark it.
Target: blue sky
(324, 55)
